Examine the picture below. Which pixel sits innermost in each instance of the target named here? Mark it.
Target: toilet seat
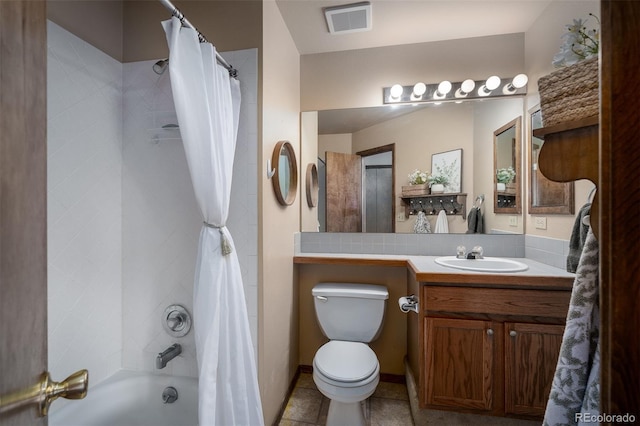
(346, 363)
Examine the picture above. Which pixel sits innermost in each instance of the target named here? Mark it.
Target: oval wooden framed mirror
(506, 160)
(311, 185)
(285, 179)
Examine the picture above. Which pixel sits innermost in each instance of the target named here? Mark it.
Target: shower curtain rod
(176, 12)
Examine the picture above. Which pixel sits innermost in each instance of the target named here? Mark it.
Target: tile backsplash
(550, 251)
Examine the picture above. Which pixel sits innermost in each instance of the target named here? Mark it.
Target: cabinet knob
(490, 331)
(513, 333)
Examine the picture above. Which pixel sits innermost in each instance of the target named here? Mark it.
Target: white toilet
(345, 369)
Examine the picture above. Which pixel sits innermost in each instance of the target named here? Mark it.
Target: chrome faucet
(170, 353)
(475, 253)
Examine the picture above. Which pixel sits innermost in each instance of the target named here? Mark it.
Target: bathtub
(131, 398)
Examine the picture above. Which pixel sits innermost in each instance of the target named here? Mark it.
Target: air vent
(349, 18)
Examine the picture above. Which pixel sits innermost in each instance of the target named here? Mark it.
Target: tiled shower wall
(160, 218)
(84, 204)
(122, 218)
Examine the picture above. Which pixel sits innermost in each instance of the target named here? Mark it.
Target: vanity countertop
(426, 270)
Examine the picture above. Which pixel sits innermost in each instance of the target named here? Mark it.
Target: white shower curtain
(207, 104)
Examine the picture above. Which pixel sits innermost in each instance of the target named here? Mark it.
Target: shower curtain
(207, 104)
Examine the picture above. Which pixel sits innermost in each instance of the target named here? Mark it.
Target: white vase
(501, 186)
(437, 188)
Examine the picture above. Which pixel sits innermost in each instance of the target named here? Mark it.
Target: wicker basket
(570, 93)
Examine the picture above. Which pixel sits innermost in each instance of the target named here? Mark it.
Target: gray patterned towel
(575, 392)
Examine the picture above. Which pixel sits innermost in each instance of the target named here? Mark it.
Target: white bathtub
(130, 398)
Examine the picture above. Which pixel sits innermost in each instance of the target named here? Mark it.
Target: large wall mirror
(545, 196)
(506, 159)
(416, 132)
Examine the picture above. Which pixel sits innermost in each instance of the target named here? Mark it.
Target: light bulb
(466, 87)
(519, 81)
(443, 88)
(396, 91)
(492, 82)
(419, 89)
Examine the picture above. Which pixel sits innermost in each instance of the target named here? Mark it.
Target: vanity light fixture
(447, 91)
(489, 86)
(443, 88)
(466, 87)
(518, 81)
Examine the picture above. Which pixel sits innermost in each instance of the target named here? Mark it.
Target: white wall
(84, 144)
(161, 220)
(123, 224)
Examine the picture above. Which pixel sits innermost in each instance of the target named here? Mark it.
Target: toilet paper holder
(408, 303)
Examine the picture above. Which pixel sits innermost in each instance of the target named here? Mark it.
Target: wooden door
(460, 362)
(344, 192)
(531, 354)
(23, 218)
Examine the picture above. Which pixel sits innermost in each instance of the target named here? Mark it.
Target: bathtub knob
(169, 395)
(176, 321)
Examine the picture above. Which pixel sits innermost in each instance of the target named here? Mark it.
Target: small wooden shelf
(431, 204)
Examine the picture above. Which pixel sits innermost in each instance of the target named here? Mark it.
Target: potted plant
(418, 183)
(437, 183)
(504, 176)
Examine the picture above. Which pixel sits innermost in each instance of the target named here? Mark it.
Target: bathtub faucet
(170, 353)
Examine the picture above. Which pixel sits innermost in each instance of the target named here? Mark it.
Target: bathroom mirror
(506, 161)
(545, 196)
(417, 132)
(285, 178)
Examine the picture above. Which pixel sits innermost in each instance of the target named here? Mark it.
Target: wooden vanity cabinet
(490, 350)
(460, 363)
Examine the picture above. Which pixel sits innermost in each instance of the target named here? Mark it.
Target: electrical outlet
(513, 220)
(541, 222)
(400, 217)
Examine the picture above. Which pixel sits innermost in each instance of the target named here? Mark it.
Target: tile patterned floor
(388, 406)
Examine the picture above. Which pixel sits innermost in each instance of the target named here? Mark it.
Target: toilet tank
(350, 312)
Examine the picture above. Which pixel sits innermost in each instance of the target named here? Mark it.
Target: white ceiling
(408, 21)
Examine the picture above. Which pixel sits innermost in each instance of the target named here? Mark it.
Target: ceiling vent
(349, 18)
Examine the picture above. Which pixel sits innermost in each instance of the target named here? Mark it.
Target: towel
(474, 221)
(422, 225)
(442, 224)
(578, 238)
(576, 384)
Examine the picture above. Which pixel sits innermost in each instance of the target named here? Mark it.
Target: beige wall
(229, 25)
(308, 155)
(130, 30)
(542, 42)
(278, 293)
(355, 78)
(342, 143)
(419, 135)
(390, 347)
(98, 22)
(488, 118)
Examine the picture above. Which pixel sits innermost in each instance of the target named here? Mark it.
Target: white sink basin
(487, 264)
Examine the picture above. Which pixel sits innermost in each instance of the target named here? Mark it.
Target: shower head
(160, 66)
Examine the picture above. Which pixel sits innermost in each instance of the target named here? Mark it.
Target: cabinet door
(531, 354)
(459, 361)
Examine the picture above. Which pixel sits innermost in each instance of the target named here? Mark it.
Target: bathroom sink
(487, 264)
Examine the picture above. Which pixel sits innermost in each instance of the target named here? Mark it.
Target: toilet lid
(346, 361)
